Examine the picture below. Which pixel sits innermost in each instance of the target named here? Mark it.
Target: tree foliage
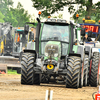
(20, 14)
(85, 7)
(17, 16)
(5, 5)
(1, 17)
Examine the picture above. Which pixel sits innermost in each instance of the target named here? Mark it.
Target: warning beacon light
(39, 13)
(83, 20)
(77, 15)
(48, 16)
(99, 21)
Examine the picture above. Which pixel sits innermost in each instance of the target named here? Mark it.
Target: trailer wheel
(73, 72)
(94, 70)
(86, 66)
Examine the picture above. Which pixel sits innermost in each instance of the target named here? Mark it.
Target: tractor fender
(95, 50)
(30, 51)
(88, 50)
(27, 51)
(80, 52)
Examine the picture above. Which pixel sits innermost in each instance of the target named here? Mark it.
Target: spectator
(86, 38)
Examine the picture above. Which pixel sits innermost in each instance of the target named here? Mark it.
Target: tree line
(82, 7)
(18, 16)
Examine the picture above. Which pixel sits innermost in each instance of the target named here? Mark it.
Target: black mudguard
(27, 51)
(80, 52)
(88, 50)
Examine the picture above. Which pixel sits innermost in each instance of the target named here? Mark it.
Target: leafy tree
(59, 16)
(10, 18)
(5, 5)
(85, 7)
(17, 16)
(5, 10)
(1, 18)
(20, 14)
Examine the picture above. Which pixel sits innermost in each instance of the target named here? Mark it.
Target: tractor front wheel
(28, 75)
(73, 72)
(86, 66)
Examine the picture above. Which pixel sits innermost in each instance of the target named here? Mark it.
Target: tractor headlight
(56, 55)
(46, 54)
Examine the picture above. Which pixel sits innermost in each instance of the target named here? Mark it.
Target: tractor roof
(56, 21)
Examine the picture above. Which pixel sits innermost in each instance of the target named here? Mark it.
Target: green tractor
(54, 55)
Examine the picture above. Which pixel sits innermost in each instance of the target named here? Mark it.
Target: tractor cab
(20, 41)
(54, 35)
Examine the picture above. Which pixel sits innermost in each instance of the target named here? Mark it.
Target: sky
(27, 4)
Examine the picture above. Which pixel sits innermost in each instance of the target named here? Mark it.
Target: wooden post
(49, 94)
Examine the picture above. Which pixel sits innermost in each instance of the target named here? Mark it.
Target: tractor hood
(53, 50)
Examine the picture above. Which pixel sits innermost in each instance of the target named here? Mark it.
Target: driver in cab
(64, 35)
(56, 34)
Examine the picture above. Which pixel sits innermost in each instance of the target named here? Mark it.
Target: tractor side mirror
(26, 29)
(89, 33)
(32, 36)
(82, 31)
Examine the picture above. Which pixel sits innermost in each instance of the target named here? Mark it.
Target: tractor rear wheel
(94, 70)
(86, 65)
(29, 75)
(73, 72)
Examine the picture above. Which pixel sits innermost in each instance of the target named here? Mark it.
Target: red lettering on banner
(87, 28)
(92, 28)
(97, 29)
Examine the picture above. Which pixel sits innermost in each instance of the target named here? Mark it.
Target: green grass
(10, 71)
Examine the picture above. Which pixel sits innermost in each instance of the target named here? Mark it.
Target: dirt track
(11, 89)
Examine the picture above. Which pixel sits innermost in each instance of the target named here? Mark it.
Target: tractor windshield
(55, 32)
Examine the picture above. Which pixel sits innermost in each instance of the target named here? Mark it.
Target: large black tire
(28, 75)
(81, 76)
(73, 72)
(86, 66)
(24, 69)
(94, 70)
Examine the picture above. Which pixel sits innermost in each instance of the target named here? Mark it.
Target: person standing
(86, 38)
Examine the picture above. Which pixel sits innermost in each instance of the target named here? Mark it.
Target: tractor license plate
(50, 66)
